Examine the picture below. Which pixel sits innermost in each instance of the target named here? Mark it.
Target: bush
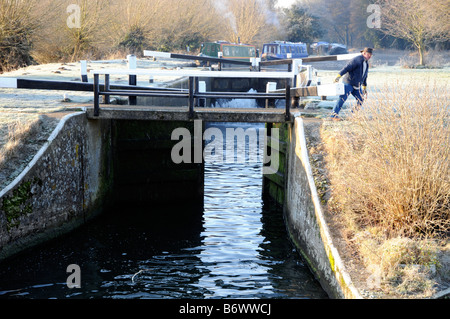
(135, 42)
(16, 30)
(390, 166)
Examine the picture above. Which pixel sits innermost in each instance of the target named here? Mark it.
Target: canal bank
(306, 222)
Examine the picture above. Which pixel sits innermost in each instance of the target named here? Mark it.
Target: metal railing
(193, 94)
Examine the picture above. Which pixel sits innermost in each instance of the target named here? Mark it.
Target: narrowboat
(232, 51)
(284, 50)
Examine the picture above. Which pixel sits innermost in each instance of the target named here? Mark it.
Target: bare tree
(244, 19)
(417, 21)
(162, 24)
(18, 27)
(135, 23)
(83, 37)
(73, 29)
(188, 23)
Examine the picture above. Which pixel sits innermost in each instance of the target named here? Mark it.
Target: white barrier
(8, 83)
(334, 89)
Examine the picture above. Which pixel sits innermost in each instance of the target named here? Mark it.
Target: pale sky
(285, 3)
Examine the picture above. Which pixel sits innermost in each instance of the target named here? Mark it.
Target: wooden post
(295, 102)
(191, 97)
(288, 101)
(132, 65)
(106, 98)
(96, 95)
(195, 91)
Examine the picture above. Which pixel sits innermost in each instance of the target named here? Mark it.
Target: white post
(309, 75)
(132, 62)
(296, 65)
(84, 76)
(255, 63)
(202, 89)
(220, 56)
(270, 86)
(132, 65)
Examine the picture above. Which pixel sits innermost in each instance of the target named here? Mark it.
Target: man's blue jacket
(354, 68)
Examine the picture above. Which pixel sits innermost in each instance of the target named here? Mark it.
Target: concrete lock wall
(306, 223)
(66, 184)
(274, 185)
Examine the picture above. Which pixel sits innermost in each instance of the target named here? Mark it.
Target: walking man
(355, 80)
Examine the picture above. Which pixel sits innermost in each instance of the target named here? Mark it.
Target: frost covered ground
(43, 101)
(40, 110)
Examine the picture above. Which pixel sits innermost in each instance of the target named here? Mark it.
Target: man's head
(367, 53)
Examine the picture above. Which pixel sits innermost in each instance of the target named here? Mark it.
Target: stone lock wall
(66, 184)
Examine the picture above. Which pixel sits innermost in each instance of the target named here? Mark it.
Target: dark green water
(235, 247)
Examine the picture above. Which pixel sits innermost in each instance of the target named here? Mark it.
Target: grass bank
(388, 167)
